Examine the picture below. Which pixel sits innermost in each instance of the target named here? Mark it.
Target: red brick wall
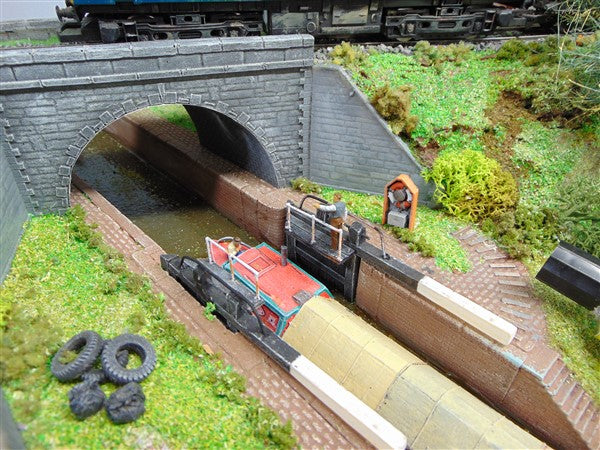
(481, 366)
(246, 200)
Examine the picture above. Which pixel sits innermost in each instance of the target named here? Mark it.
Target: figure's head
(337, 197)
(237, 241)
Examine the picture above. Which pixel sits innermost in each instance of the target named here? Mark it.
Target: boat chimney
(284, 253)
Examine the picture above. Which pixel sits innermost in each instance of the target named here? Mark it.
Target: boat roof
(278, 283)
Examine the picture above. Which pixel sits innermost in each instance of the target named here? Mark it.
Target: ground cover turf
(64, 280)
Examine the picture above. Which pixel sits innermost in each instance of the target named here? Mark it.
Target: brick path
(314, 424)
(496, 282)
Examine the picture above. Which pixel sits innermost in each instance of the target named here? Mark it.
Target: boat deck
(280, 283)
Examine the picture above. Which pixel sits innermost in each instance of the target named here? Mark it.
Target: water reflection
(175, 218)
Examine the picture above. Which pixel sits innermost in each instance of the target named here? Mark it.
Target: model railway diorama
(294, 319)
(111, 21)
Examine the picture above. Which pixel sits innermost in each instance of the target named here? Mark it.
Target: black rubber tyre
(90, 345)
(126, 404)
(133, 344)
(98, 375)
(86, 399)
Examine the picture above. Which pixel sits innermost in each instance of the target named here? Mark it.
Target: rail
(314, 222)
(211, 243)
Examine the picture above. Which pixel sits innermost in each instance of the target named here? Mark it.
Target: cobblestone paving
(314, 424)
(496, 282)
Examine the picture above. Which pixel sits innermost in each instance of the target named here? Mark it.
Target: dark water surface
(175, 218)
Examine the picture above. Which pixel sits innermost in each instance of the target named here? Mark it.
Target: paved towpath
(315, 425)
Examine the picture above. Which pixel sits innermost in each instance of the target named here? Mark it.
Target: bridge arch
(221, 128)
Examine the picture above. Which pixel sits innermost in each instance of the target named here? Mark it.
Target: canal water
(176, 219)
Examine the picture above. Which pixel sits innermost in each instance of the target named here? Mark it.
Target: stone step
(514, 292)
(522, 326)
(478, 240)
(508, 274)
(565, 390)
(578, 411)
(486, 248)
(493, 257)
(512, 301)
(558, 381)
(502, 266)
(585, 418)
(515, 313)
(554, 371)
(512, 283)
(468, 235)
(591, 427)
(573, 399)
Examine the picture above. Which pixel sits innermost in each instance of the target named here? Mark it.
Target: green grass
(449, 99)
(64, 277)
(572, 330)
(53, 40)
(547, 154)
(433, 228)
(176, 114)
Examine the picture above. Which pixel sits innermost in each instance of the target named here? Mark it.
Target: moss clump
(393, 104)
(526, 232)
(416, 242)
(346, 54)
(434, 55)
(579, 212)
(472, 186)
(305, 186)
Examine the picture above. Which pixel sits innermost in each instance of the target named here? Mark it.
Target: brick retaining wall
(246, 200)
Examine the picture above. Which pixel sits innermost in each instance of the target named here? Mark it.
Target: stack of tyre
(86, 398)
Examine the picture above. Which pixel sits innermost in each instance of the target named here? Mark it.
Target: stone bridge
(55, 100)
(258, 102)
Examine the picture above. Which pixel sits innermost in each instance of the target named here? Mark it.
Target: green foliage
(572, 329)
(305, 186)
(563, 77)
(53, 40)
(176, 114)
(347, 55)
(209, 309)
(579, 212)
(527, 232)
(472, 186)
(449, 100)
(367, 206)
(393, 104)
(58, 277)
(435, 55)
(417, 242)
(545, 154)
(578, 15)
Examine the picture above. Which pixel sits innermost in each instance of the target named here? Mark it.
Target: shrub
(346, 54)
(416, 242)
(579, 213)
(305, 186)
(525, 231)
(393, 104)
(472, 186)
(433, 55)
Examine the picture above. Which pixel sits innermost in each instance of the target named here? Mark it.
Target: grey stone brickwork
(56, 99)
(12, 213)
(351, 147)
(37, 29)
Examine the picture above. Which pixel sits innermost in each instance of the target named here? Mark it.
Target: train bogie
(117, 21)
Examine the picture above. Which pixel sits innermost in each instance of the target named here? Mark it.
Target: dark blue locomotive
(136, 20)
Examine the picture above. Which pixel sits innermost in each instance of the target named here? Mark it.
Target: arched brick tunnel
(227, 138)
